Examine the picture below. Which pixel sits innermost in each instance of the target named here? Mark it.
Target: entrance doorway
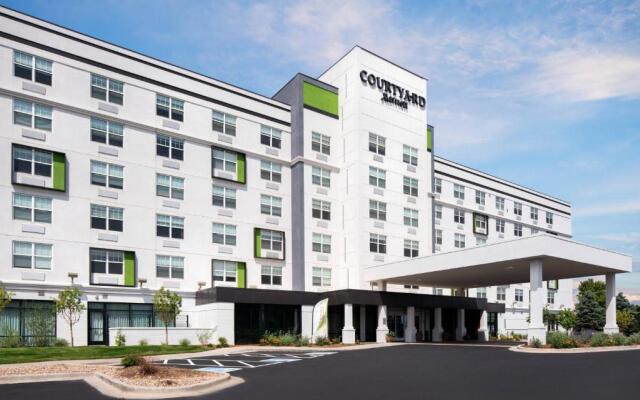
(396, 322)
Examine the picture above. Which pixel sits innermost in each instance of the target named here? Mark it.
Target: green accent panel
(257, 242)
(129, 268)
(59, 172)
(320, 99)
(241, 168)
(429, 138)
(241, 274)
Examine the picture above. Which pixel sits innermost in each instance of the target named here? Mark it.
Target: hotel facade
(124, 174)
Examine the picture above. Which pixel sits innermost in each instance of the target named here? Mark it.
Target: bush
(560, 340)
(143, 342)
(535, 342)
(283, 339)
(131, 360)
(600, 339)
(121, 340)
(147, 369)
(184, 342)
(322, 341)
(618, 339)
(634, 339)
(222, 342)
(204, 336)
(304, 341)
(60, 342)
(11, 338)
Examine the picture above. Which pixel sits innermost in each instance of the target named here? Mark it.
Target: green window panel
(129, 268)
(257, 242)
(241, 168)
(241, 274)
(320, 99)
(429, 138)
(59, 172)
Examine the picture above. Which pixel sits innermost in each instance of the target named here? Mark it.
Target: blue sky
(546, 94)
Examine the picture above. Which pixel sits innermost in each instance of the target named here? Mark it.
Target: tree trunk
(71, 331)
(166, 334)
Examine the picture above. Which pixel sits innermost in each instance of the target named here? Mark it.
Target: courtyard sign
(392, 93)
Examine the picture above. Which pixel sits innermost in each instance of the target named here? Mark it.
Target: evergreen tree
(622, 303)
(589, 313)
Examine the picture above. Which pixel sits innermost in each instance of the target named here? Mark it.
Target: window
(321, 176)
(481, 241)
(32, 255)
(223, 123)
(458, 216)
(271, 205)
(169, 226)
(168, 107)
(458, 191)
(533, 213)
(321, 276)
(519, 295)
(500, 225)
(103, 174)
(170, 267)
(377, 144)
(481, 292)
(321, 209)
(377, 243)
(321, 243)
(438, 236)
(500, 203)
(32, 161)
(411, 248)
(378, 210)
(31, 208)
(437, 185)
(551, 296)
(224, 271)
(106, 89)
(549, 217)
(480, 224)
(517, 229)
(410, 217)
(459, 241)
(377, 177)
(501, 293)
(224, 197)
(106, 261)
(409, 155)
(32, 68)
(271, 240)
(270, 136)
(33, 115)
(225, 160)
(169, 186)
(410, 186)
(480, 197)
(224, 234)
(320, 143)
(107, 218)
(107, 132)
(167, 146)
(438, 211)
(271, 275)
(270, 171)
(517, 208)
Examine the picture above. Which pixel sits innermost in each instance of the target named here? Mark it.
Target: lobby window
(438, 237)
(320, 143)
(224, 271)
(321, 243)
(409, 155)
(377, 243)
(517, 208)
(170, 147)
(438, 211)
(32, 255)
(459, 241)
(104, 174)
(32, 115)
(321, 176)
(31, 208)
(519, 296)
(500, 225)
(107, 218)
(169, 186)
(501, 293)
(270, 171)
(551, 296)
(171, 267)
(411, 248)
(271, 275)
(224, 197)
(458, 191)
(103, 131)
(533, 213)
(224, 234)
(378, 210)
(377, 177)
(169, 107)
(271, 205)
(499, 203)
(270, 136)
(107, 89)
(169, 226)
(549, 217)
(517, 230)
(410, 217)
(410, 186)
(321, 276)
(437, 185)
(481, 292)
(33, 68)
(321, 209)
(223, 123)
(458, 216)
(32, 161)
(480, 197)
(377, 144)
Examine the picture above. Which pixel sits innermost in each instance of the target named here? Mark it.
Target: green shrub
(618, 339)
(204, 336)
(322, 341)
(60, 342)
(222, 342)
(600, 339)
(184, 342)
(143, 342)
(560, 340)
(121, 340)
(304, 341)
(131, 360)
(635, 338)
(535, 342)
(10, 338)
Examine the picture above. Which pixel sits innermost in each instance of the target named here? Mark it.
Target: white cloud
(626, 238)
(608, 209)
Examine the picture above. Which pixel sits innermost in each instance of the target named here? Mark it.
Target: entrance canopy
(502, 263)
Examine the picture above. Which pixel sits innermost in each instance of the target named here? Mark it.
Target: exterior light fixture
(201, 284)
(72, 275)
(142, 281)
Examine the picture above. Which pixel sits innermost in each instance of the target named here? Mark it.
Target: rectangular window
(32, 115)
(107, 89)
(320, 143)
(225, 160)
(271, 205)
(321, 276)
(170, 186)
(410, 186)
(104, 174)
(480, 224)
(519, 295)
(377, 243)
(224, 234)
(107, 218)
(270, 171)
(378, 210)
(500, 225)
(33, 68)
(32, 161)
(411, 217)
(377, 144)
(270, 136)
(517, 230)
(103, 131)
(481, 241)
(31, 208)
(169, 107)
(458, 216)
(106, 261)
(223, 123)
(170, 147)
(321, 176)
(411, 248)
(551, 296)
(533, 213)
(438, 237)
(377, 177)
(171, 267)
(409, 155)
(459, 241)
(501, 294)
(271, 240)
(169, 226)
(32, 255)
(458, 191)
(321, 243)
(321, 209)
(517, 208)
(271, 275)
(480, 198)
(437, 185)
(499, 203)
(438, 211)
(224, 197)
(481, 292)
(549, 217)
(224, 271)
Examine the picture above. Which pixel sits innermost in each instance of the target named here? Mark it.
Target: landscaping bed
(561, 340)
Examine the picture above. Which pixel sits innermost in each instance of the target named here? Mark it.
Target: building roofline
(304, 76)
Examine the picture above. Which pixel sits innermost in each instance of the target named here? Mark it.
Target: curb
(576, 350)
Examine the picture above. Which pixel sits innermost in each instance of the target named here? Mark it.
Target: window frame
(517, 208)
(321, 143)
(40, 115)
(321, 209)
(411, 248)
(459, 216)
(229, 271)
(111, 221)
(500, 225)
(459, 240)
(271, 205)
(171, 108)
(33, 208)
(271, 171)
(322, 178)
(320, 243)
(270, 136)
(225, 122)
(377, 243)
(175, 192)
(113, 132)
(175, 226)
(377, 144)
(110, 180)
(500, 203)
(458, 191)
(273, 274)
(410, 155)
(437, 185)
(37, 74)
(225, 197)
(410, 186)
(174, 147)
(40, 161)
(174, 268)
(111, 93)
(517, 230)
(321, 276)
(224, 234)
(32, 255)
(411, 217)
(377, 177)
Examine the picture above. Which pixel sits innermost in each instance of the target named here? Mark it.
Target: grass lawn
(31, 354)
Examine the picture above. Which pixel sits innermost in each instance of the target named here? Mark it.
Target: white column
(382, 329)
(381, 286)
(410, 329)
(306, 321)
(483, 332)
(611, 325)
(363, 321)
(348, 333)
(461, 330)
(536, 303)
(436, 333)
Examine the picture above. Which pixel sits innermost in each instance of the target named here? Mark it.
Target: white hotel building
(124, 174)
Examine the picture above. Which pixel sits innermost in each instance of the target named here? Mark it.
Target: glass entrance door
(395, 323)
(96, 327)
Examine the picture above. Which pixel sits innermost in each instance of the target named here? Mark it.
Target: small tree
(589, 313)
(567, 319)
(625, 320)
(166, 305)
(69, 305)
(5, 297)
